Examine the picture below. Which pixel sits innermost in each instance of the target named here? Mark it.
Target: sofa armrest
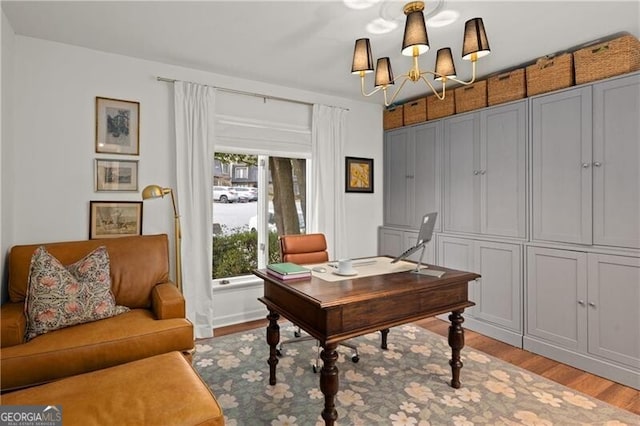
(167, 302)
(13, 324)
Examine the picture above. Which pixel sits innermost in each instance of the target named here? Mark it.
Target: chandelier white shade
(415, 43)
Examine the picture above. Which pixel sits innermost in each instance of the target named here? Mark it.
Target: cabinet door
(390, 242)
(457, 253)
(561, 175)
(497, 293)
(503, 170)
(556, 296)
(614, 308)
(396, 148)
(426, 171)
(616, 172)
(461, 174)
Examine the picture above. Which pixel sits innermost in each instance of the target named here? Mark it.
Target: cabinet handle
(483, 172)
(593, 305)
(597, 164)
(585, 165)
(475, 172)
(581, 302)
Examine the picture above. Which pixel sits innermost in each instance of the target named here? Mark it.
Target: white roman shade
(257, 125)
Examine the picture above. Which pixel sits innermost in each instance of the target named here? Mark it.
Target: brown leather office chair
(306, 249)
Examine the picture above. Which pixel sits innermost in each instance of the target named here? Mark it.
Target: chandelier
(415, 43)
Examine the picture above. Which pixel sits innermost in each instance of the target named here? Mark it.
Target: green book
(288, 268)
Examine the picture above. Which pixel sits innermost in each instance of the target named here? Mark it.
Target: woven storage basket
(506, 87)
(550, 73)
(437, 108)
(415, 111)
(602, 60)
(471, 97)
(392, 118)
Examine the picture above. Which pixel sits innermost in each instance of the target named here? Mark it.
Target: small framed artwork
(117, 126)
(112, 219)
(116, 175)
(359, 174)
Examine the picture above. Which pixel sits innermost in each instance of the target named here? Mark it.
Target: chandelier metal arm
(376, 90)
(395, 94)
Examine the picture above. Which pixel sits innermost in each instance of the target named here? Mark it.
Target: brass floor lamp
(155, 191)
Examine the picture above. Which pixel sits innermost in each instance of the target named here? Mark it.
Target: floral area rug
(406, 384)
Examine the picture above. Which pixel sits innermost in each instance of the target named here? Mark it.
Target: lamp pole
(177, 242)
(155, 191)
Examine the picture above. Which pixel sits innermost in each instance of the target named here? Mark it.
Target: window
(241, 172)
(245, 230)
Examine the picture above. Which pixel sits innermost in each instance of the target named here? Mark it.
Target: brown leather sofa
(156, 323)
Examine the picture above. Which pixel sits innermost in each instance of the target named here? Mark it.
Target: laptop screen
(426, 228)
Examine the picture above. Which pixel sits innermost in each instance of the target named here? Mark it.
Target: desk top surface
(357, 289)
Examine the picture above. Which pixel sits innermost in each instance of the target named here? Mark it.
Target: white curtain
(194, 116)
(328, 137)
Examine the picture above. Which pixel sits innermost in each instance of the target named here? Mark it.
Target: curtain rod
(240, 92)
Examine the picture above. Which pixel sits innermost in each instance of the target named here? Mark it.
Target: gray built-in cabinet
(542, 198)
(412, 174)
(484, 171)
(583, 310)
(585, 165)
(498, 293)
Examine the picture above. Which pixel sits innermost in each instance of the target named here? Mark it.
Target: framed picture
(116, 175)
(112, 219)
(359, 174)
(117, 126)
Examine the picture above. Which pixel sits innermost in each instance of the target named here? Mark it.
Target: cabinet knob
(585, 165)
(475, 172)
(597, 164)
(593, 305)
(581, 302)
(483, 172)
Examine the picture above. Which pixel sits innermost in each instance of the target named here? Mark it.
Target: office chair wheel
(315, 369)
(297, 333)
(355, 359)
(278, 353)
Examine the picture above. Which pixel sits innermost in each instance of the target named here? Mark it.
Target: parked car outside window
(246, 193)
(224, 194)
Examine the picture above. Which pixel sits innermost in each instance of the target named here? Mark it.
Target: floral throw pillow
(59, 296)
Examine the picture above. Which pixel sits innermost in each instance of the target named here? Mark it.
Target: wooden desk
(334, 311)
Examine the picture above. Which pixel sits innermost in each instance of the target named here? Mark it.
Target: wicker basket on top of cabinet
(392, 117)
(606, 59)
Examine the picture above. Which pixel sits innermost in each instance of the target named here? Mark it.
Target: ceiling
(309, 44)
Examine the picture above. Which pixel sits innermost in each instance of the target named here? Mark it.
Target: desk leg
(456, 342)
(329, 383)
(383, 334)
(273, 338)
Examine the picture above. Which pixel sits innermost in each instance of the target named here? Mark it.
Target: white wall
(6, 78)
(52, 145)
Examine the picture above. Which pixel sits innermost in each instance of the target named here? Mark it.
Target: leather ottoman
(160, 390)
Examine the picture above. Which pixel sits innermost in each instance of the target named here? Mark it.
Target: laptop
(424, 236)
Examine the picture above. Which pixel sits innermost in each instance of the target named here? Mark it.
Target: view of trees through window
(256, 198)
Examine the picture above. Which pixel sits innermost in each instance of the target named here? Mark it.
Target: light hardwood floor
(605, 390)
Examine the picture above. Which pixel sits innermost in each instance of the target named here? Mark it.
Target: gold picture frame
(117, 126)
(116, 175)
(113, 219)
(359, 174)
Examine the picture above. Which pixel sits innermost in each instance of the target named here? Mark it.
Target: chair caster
(297, 334)
(315, 369)
(278, 353)
(355, 359)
